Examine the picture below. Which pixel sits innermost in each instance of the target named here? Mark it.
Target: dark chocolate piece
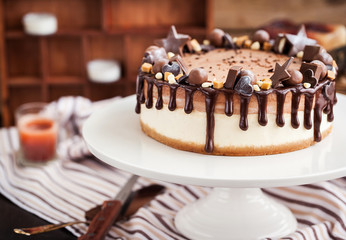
(231, 79)
(244, 86)
(171, 67)
(148, 58)
(323, 68)
(308, 77)
(297, 42)
(174, 41)
(228, 42)
(277, 41)
(280, 73)
(311, 52)
(207, 48)
(261, 36)
(197, 76)
(316, 69)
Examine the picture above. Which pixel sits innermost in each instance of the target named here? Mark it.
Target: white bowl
(104, 71)
(40, 23)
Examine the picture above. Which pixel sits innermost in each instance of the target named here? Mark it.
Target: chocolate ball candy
(250, 74)
(261, 36)
(157, 67)
(216, 37)
(197, 76)
(323, 67)
(296, 78)
(171, 67)
(325, 58)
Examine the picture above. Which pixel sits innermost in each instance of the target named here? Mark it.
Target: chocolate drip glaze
(294, 108)
(149, 102)
(323, 93)
(189, 100)
(172, 97)
(244, 107)
(228, 103)
(210, 100)
(262, 108)
(280, 99)
(309, 98)
(159, 102)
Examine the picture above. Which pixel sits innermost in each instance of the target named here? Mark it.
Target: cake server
(110, 210)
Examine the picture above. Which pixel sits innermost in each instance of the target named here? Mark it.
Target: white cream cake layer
(191, 128)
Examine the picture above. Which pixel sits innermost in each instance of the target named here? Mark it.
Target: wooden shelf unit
(44, 68)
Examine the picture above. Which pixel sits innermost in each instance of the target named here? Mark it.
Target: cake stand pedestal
(236, 208)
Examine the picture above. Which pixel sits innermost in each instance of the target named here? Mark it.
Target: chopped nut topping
(217, 84)
(307, 85)
(179, 76)
(256, 46)
(330, 75)
(146, 67)
(267, 46)
(170, 55)
(206, 42)
(207, 84)
(240, 40)
(266, 84)
(171, 79)
(195, 45)
(300, 54)
(259, 83)
(247, 43)
(256, 88)
(158, 76)
(166, 75)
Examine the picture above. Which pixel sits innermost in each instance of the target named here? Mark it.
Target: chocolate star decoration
(174, 42)
(280, 73)
(299, 41)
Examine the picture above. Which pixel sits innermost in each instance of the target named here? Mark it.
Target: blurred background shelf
(44, 68)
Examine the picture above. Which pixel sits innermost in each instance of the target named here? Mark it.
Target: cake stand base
(235, 213)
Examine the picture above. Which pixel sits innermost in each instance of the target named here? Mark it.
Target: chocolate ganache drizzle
(323, 93)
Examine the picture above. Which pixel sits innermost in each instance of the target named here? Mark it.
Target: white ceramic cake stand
(236, 208)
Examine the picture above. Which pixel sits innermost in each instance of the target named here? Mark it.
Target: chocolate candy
(250, 74)
(181, 63)
(298, 42)
(148, 58)
(156, 53)
(325, 57)
(280, 73)
(216, 37)
(232, 75)
(261, 36)
(316, 69)
(159, 64)
(174, 42)
(197, 76)
(311, 52)
(308, 77)
(244, 86)
(296, 78)
(171, 67)
(323, 68)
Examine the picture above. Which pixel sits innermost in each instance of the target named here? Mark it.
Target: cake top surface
(218, 61)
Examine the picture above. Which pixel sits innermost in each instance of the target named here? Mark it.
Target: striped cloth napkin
(63, 190)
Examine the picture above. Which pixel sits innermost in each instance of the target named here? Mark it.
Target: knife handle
(102, 221)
